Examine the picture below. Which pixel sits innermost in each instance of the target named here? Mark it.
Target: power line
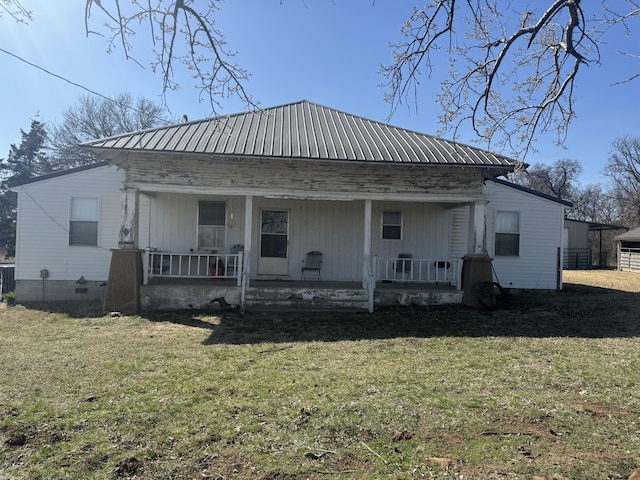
(93, 92)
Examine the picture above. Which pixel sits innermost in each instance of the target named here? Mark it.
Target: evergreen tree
(24, 161)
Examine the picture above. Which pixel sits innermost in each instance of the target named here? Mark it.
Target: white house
(228, 209)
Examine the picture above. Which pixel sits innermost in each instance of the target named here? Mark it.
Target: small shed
(628, 246)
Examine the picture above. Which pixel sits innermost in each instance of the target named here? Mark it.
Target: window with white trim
(211, 224)
(83, 221)
(392, 225)
(507, 234)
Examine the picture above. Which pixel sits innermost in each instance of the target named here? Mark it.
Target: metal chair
(403, 265)
(311, 265)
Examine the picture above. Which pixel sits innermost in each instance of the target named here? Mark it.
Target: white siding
(541, 227)
(459, 245)
(43, 226)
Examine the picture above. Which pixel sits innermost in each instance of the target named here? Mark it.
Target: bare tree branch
(512, 70)
(14, 9)
(183, 36)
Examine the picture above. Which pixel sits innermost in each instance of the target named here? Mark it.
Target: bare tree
(623, 168)
(558, 180)
(183, 34)
(593, 203)
(512, 66)
(91, 118)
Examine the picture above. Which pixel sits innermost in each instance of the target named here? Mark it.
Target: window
(211, 224)
(83, 221)
(507, 234)
(392, 225)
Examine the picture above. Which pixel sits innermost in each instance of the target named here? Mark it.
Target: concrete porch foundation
(275, 295)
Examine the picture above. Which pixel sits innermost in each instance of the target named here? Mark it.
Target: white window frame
(75, 217)
(383, 224)
(218, 231)
(516, 232)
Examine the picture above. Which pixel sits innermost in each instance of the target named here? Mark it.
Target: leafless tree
(183, 34)
(512, 65)
(93, 117)
(594, 203)
(623, 168)
(558, 180)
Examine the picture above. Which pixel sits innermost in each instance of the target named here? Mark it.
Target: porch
(197, 280)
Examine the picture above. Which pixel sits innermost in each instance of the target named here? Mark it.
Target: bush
(10, 298)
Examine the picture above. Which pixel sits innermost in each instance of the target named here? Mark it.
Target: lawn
(546, 386)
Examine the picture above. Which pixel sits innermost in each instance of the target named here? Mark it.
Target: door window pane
(274, 233)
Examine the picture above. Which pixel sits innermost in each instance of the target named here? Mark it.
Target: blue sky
(325, 51)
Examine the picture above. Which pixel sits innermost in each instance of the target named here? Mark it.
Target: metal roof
(302, 130)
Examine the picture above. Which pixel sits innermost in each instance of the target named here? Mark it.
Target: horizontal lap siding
(277, 175)
(541, 226)
(43, 226)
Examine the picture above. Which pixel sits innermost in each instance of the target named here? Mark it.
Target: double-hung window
(211, 224)
(392, 225)
(83, 221)
(507, 234)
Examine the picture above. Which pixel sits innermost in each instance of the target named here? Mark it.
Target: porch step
(306, 299)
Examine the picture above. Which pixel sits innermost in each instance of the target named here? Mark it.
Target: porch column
(368, 277)
(125, 270)
(477, 227)
(477, 272)
(248, 235)
(129, 214)
(367, 243)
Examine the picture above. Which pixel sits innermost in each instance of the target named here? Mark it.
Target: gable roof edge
(531, 191)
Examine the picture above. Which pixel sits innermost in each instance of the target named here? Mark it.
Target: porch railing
(416, 270)
(214, 266)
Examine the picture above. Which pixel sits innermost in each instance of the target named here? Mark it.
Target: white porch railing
(416, 270)
(216, 266)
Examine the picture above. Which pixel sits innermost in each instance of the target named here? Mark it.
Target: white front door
(274, 243)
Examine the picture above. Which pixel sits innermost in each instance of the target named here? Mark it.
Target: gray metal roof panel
(302, 130)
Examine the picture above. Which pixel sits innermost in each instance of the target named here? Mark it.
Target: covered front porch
(251, 252)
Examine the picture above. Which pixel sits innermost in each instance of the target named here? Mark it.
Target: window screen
(83, 221)
(507, 234)
(392, 225)
(211, 224)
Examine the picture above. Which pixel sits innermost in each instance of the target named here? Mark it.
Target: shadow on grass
(577, 311)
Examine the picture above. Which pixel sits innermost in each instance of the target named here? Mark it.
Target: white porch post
(125, 271)
(368, 279)
(477, 227)
(129, 227)
(248, 235)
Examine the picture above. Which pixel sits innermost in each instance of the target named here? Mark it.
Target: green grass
(545, 386)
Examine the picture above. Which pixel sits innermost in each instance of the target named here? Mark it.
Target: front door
(274, 241)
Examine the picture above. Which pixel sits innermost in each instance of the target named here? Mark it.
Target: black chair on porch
(403, 266)
(311, 265)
